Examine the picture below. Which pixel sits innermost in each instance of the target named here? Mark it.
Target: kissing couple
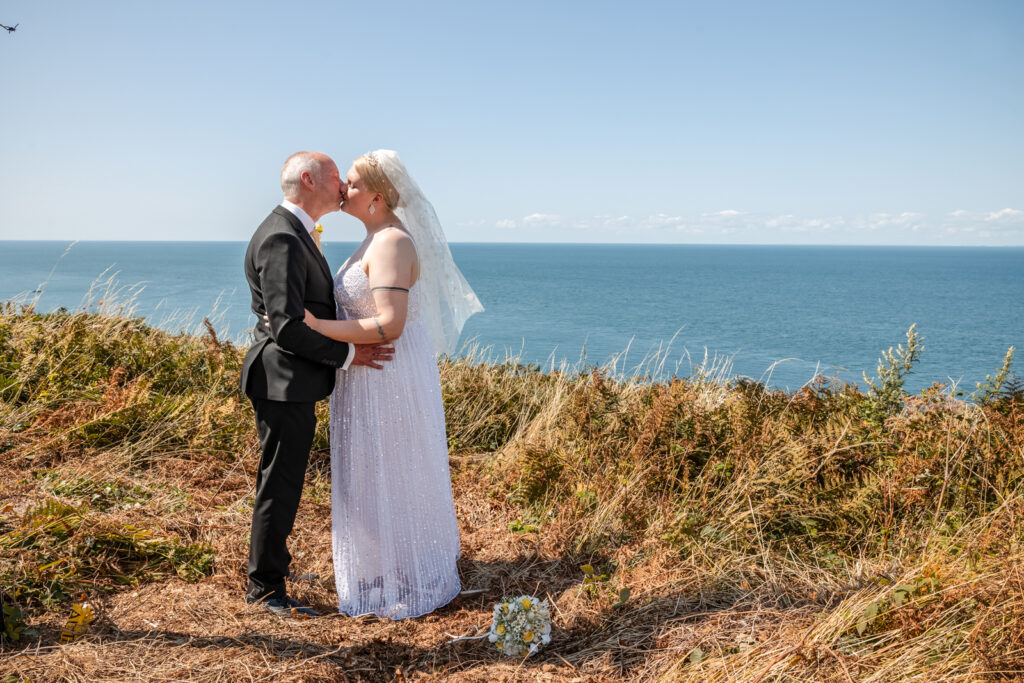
(368, 338)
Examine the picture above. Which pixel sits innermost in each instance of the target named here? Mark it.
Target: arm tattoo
(390, 289)
(380, 330)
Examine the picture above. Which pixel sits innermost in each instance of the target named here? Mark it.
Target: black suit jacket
(286, 274)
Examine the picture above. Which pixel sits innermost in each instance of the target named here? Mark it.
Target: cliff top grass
(697, 529)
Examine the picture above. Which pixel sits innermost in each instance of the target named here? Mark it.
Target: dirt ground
(175, 630)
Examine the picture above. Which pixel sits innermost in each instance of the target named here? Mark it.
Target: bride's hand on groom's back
(312, 322)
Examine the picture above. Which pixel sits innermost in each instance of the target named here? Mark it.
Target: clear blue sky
(724, 122)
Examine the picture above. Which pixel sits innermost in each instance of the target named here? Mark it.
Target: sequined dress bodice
(352, 292)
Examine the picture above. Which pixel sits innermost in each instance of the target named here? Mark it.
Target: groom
(290, 367)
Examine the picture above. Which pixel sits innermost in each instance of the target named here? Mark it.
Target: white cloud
(656, 222)
(780, 221)
(1005, 216)
(606, 221)
(789, 222)
(542, 219)
(895, 227)
(664, 219)
(985, 223)
(906, 220)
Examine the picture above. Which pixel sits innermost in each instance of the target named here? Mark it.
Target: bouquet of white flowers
(521, 625)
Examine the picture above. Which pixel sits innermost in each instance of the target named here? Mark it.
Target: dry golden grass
(761, 535)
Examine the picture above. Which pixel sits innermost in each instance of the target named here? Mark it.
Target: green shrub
(886, 394)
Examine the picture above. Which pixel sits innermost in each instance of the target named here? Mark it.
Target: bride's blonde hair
(368, 168)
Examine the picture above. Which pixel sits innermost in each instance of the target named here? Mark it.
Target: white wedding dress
(395, 535)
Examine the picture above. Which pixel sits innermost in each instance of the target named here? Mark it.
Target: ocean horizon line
(575, 244)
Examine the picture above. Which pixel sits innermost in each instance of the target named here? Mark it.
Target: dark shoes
(285, 607)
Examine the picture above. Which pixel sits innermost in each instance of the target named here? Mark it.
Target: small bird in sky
(10, 29)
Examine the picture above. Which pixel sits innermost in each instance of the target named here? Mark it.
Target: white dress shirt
(307, 221)
(308, 224)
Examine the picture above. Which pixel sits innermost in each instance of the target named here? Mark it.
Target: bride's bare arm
(391, 265)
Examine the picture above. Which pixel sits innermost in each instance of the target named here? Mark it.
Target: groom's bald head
(317, 165)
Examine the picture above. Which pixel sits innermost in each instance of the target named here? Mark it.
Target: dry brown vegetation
(736, 533)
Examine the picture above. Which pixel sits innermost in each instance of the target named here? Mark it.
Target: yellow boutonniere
(319, 228)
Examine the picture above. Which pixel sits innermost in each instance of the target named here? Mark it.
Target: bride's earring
(372, 209)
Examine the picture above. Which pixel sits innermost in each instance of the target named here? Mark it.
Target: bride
(395, 536)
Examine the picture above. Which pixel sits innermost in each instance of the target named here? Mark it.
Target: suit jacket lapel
(307, 239)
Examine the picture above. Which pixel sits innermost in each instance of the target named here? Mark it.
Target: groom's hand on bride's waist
(372, 355)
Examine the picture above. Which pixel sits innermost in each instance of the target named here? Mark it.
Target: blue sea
(779, 314)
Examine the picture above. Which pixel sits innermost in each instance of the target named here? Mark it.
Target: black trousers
(286, 432)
